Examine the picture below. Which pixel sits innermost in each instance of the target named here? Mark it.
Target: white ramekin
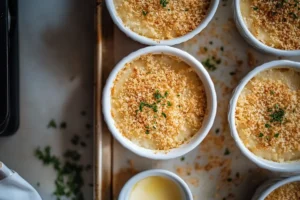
(287, 167)
(252, 40)
(126, 190)
(208, 120)
(148, 41)
(268, 187)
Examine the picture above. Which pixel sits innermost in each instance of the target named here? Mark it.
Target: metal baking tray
(216, 169)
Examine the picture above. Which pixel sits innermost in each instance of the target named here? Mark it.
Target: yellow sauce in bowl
(156, 188)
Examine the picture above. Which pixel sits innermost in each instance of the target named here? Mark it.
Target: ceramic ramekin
(126, 190)
(287, 167)
(252, 40)
(148, 41)
(208, 120)
(268, 187)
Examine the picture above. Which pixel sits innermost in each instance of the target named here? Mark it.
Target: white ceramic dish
(185, 190)
(208, 120)
(252, 40)
(268, 187)
(287, 167)
(148, 41)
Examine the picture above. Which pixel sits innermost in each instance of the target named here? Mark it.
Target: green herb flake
(272, 92)
(267, 125)
(182, 158)
(255, 8)
(164, 3)
(63, 125)
(169, 103)
(166, 94)
(232, 73)
(52, 124)
(277, 115)
(144, 12)
(210, 66)
(38, 184)
(227, 152)
(178, 95)
(147, 131)
(157, 95)
(164, 115)
(276, 135)
(261, 135)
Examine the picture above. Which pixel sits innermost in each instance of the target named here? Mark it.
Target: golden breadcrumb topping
(268, 115)
(162, 19)
(158, 101)
(290, 191)
(274, 22)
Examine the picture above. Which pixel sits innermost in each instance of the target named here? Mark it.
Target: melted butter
(156, 188)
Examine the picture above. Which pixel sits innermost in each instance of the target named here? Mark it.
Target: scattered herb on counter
(88, 126)
(164, 3)
(210, 66)
(227, 152)
(164, 115)
(276, 135)
(69, 181)
(267, 125)
(75, 140)
(63, 125)
(182, 158)
(144, 13)
(52, 124)
(260, 135)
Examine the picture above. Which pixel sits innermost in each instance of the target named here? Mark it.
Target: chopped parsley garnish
(164, 3)
(255, 8)
(186, 9)
(169, 103)
(157, 95)
(261, 135)
(52, 124)
(144, 13)
(147, 131)
(152, 106)
(227, 152)
(166, 94)
(178, 95)
(276, 135)
(277, 115)
(267, 125)
(182, 158)
(272, 92)
(164, 115)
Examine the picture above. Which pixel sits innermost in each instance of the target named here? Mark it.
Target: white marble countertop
(56, 82)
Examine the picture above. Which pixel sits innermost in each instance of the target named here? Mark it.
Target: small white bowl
(286, 167)
(185, 190)
(252, 40)
(268, 187)
(208, 120)
(148, 41)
